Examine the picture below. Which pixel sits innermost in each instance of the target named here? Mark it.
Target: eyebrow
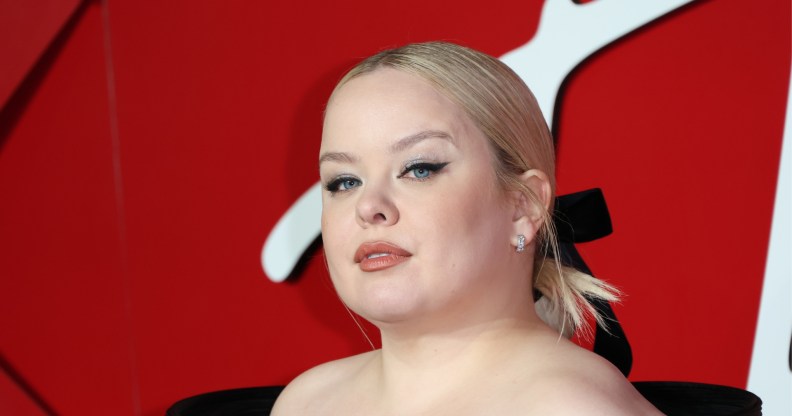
(340, 157)
(411, 140)
(400, 145)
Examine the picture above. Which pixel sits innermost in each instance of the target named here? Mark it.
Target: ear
(529, 210)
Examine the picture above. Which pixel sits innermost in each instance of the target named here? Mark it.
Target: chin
(383, 318)
(385, 307)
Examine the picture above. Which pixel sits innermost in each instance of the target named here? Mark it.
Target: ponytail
(566, 291)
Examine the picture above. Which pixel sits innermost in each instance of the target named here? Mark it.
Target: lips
(372, 257)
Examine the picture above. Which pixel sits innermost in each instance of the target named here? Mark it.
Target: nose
(376, 207)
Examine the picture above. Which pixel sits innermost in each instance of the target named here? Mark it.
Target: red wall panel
(27, 29)
(131, 274)
(64, 314)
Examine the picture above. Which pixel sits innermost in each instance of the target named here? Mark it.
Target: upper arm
(311, 393)
(598, 390)
(297, 396)
(287, 403)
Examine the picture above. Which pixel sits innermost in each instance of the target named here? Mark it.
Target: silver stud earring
(520, 243)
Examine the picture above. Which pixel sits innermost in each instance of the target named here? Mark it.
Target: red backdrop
(154, 145)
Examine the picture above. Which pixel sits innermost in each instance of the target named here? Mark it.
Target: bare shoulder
(585, 383)
(311, 390)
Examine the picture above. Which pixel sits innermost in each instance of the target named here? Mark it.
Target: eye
(342, 184)
(421, 170)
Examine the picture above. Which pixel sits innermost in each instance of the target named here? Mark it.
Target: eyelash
(334, 186)
(432, 168)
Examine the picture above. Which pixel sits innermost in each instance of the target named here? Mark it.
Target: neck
(447, 346)
(419, 347)
(417, 358)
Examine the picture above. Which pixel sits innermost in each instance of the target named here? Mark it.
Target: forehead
(389, 84)
(393, 103)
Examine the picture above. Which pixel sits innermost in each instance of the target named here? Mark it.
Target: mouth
(380, 255)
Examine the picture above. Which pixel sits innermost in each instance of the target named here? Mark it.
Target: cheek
(337, 223)
(330, 233)
(471, 222)
(469, 207)
(337, 218)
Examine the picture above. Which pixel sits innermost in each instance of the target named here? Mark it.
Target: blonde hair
(504, 109)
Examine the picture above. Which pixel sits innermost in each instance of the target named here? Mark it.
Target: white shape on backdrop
(568, 33)
(770, 376)
(293, 234)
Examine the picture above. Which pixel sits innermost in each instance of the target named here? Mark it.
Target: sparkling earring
(520, 243)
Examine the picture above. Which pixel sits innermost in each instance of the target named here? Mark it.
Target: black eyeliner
(432, 167)
(333, 185)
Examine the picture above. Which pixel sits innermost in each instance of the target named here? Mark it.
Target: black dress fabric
(697, 399)
(251, 401)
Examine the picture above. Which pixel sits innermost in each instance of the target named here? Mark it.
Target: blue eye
(342, 184)
(421, 170)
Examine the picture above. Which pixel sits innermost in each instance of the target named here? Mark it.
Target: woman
(438, 174)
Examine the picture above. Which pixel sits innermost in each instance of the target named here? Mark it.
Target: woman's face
(414, 223)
